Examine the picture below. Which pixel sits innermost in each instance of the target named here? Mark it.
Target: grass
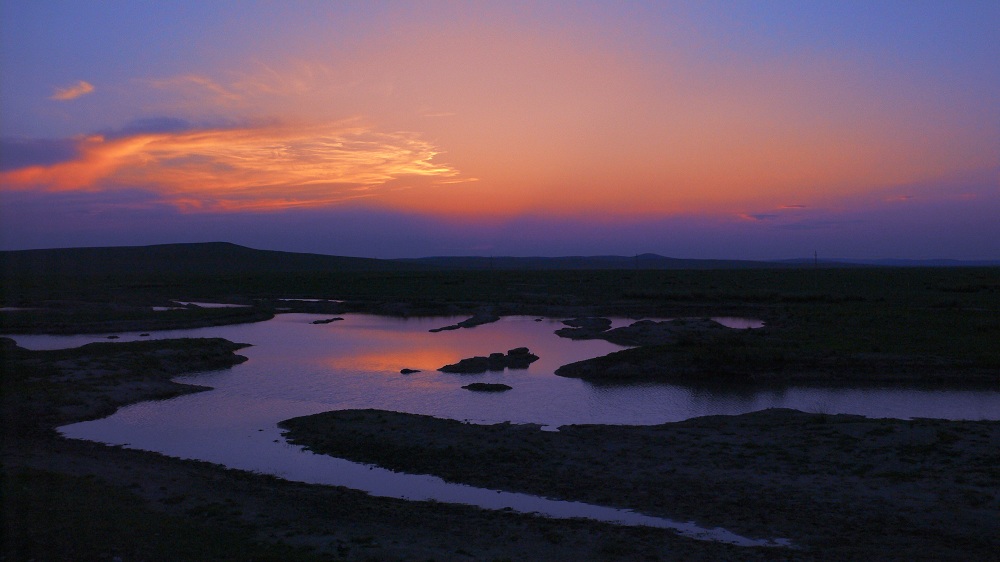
(936, 287)
(52, 516)
(947, 312)
(78, 318)
(811, 314)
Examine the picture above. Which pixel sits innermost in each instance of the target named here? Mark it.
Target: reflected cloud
(227, 169)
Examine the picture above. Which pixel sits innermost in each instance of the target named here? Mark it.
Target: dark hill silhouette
(641, 261)
(225, 258)
(200, 258)
(212, 258)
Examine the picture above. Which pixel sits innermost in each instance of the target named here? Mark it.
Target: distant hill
(207, 258)
(895, 262)
(224, 258)
(641, 261)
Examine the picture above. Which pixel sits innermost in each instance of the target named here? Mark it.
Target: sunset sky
(745, 130)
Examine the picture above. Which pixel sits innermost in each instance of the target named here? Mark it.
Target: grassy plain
(951, 314)
(872, 319)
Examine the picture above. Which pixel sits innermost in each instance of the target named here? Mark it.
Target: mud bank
(840, 486)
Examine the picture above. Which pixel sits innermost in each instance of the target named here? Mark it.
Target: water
(297, 368)
(212, 304)
(355, 363)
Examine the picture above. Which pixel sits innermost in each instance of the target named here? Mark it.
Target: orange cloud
(81, 88)
(262, 168)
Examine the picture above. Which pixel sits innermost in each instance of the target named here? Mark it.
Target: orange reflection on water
(414, 347)
(422, 358)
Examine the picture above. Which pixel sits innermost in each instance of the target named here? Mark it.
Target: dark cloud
(20, 153)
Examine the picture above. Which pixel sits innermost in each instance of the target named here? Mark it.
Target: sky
(702, 129)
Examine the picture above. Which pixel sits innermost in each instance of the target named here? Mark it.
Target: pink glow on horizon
(479, 115)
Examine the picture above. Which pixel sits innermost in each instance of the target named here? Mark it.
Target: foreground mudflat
(839, 486)
(69, 499)
(843, 488)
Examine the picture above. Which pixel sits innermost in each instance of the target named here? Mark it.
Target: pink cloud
(81, 88)
(237, 169)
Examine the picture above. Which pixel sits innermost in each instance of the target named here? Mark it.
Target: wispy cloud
(779, 212)
(250, 168)
(819, 223)
(81, 88)
(758, 216)
(199, 87)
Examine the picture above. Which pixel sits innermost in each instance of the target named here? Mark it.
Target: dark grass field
(55, 516)
(63, 500)
(952, 313)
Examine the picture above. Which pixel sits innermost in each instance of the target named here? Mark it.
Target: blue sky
(750, 130)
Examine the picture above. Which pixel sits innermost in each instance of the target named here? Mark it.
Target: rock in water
(476, 320)
(517, 358)
(487, 387)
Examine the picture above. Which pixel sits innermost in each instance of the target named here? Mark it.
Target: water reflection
(355, 363)
(297, 368)
(739, 323)
(212, 304)
(229, 430)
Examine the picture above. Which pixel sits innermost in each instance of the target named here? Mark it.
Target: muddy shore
(839, 486)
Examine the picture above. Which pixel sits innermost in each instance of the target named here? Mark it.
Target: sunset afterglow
(268, 168)
(691, 129)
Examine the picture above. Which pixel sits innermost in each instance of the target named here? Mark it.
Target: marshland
(812, 479)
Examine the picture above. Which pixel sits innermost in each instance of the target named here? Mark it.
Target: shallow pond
(298, 368)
